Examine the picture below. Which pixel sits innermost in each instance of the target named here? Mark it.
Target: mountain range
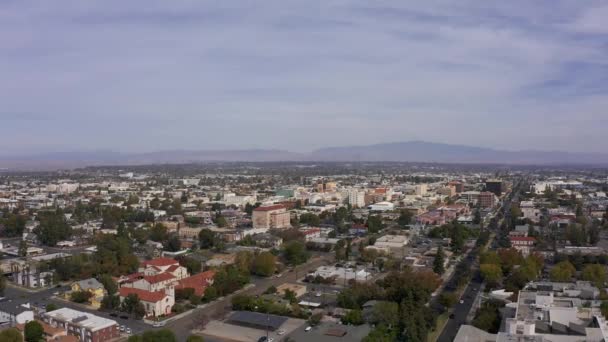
(411, 151)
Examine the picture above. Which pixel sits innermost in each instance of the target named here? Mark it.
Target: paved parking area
(237, 333)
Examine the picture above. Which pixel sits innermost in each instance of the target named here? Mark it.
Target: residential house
(92, 286)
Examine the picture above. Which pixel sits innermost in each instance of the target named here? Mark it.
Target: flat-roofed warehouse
(257, 320)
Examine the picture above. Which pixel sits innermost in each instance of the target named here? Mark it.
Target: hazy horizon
(144, 76)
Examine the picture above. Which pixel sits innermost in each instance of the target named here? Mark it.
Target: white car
(461, 301)
(129, 331)
(280, 332)
(308, 329)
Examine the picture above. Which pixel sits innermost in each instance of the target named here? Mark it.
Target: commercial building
(87, 327)
(548, 311)
(271, 217)
(381, 206)
(487, 199)
(494, 186)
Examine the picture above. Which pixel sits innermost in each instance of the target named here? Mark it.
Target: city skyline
(150, 76)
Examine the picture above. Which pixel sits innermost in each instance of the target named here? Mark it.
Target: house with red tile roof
(198, 282)
(163, 265)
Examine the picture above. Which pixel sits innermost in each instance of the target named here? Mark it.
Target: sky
(134, 76)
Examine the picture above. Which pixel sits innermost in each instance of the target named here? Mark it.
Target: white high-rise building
(356, 198)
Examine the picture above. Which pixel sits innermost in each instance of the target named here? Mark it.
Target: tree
(10, 335)
(22, 248)
(404, 218)
(220, 221)
(491, 273)
(158, 233)
(163, 335)
(374, 223)
(448, 299)
(52, 228)
(354, 317)
(192, 265)
(108, 283)
(595, 273)
(563, 271)
(340, 250)
(206, 239)
(290, 296)
(130, 304)
(2, 284)
(295, 253)
(385, 313)
(173, 243)
(604, 309)
(310, 219)
(80, 296)
(315, 319)
(264, 264)
(439, 261)
(51, 307)
(33, 332)
(195, 338)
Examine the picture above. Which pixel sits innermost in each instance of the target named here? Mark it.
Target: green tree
(439, 261)
(563, 271)
(295, 253)
(374, 224)
(491, 273)
(22, 248)
(195, 338)
(52, 228)
(290, 296)
(264, 264)
(354, 317)
(595, 273)
(158, 233)
(108, 283)
(206, 238)
(310, 219)
(173, 243)
(2, 284)
(385, 313)
(51, 307)
(11, 335)
(80, 296)
(315, 319)
(33, 332)
(448, 299)
(220, 221)
(404, 218)
(604, 309)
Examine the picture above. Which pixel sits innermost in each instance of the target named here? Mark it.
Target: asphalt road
(461, 311)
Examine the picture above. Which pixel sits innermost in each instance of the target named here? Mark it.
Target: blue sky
(298, 75)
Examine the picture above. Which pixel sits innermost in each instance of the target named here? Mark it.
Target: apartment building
(85, 326)
(271, 217)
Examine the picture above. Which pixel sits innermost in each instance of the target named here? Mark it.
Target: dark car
(124, 317)
(452, 316)
(113, 314)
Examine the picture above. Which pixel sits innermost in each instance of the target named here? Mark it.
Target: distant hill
(420, 151)
(412, 151)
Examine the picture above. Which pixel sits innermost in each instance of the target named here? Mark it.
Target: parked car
(308, 328)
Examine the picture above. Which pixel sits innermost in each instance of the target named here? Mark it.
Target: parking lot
(231, 332)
